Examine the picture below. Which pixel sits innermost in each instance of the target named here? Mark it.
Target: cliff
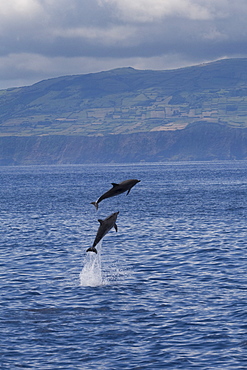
(200, 141)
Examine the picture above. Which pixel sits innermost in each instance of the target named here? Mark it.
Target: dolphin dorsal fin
(100, 221)
(114, 184)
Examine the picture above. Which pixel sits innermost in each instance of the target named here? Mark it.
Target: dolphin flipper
(115, 227)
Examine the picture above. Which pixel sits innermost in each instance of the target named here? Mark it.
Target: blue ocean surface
(167, 291)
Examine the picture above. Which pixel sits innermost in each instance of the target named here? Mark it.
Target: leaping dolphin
(116, 190)
(105, 226)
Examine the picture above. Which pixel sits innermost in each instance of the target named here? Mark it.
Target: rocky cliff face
(199, 141)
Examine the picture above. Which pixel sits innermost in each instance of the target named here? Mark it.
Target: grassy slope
(127, 101)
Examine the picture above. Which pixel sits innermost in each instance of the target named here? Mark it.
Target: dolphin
(116, 190)
(105, 226)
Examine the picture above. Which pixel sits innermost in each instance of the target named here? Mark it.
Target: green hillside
(125, 100)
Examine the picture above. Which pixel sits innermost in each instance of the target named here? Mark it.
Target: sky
(41, 39)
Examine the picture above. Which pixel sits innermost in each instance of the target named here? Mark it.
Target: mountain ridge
(125, 100)
(191, 113)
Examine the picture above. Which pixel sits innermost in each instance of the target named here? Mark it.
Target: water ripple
(169, 289)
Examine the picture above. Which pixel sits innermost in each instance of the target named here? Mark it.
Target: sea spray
(91, 274)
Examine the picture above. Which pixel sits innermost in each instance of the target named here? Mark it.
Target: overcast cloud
(47, 38)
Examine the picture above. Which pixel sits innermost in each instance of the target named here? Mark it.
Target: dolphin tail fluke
(92, 249)
(95, 205)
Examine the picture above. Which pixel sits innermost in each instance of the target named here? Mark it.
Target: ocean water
(167, 291)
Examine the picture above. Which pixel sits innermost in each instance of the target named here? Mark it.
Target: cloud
(46, 38)
(19, 8)
(149, 11)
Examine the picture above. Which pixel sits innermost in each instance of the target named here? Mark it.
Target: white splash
(91, 274)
